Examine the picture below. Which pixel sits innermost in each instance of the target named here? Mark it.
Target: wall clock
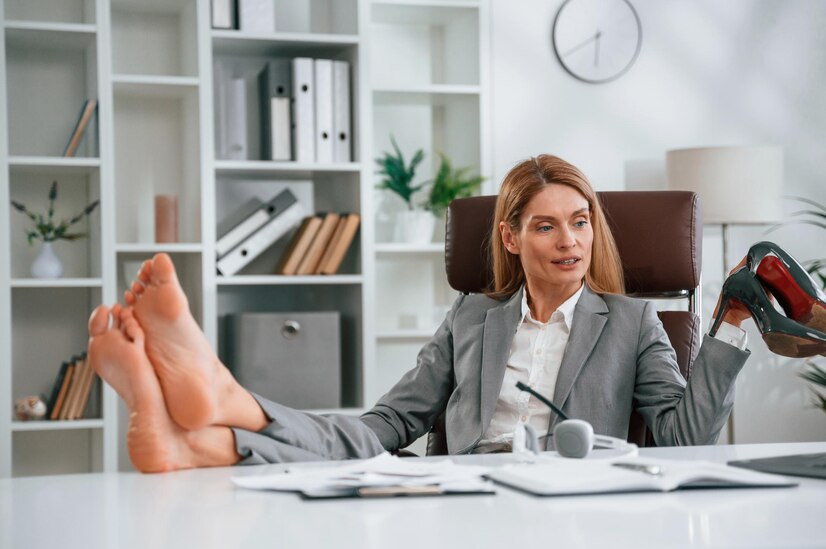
(596, 41)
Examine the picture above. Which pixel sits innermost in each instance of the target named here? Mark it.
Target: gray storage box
(291, 358)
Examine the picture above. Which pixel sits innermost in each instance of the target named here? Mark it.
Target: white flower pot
(47, 264)
(415, 227)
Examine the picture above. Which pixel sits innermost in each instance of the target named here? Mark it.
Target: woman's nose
(566, 239)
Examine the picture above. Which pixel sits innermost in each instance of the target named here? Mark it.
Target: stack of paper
(383, 475)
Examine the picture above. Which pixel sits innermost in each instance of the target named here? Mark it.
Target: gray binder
(291, 358)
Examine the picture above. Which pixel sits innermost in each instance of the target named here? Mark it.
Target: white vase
(47, 264)
(415, 226)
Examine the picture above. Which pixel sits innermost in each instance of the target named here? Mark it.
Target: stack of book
(320, 244)
(71, 389)
(253, 228)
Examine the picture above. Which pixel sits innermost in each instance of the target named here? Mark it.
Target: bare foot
(117, 355)
(198, 389)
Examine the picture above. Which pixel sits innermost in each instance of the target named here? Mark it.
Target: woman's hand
(736, 313)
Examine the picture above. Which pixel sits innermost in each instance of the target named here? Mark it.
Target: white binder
(236, 139)
(288, 212)
(303, 110)
(222, 14)
(256, 16)
(280, 128)
(341, 112)
(274, 83)
(323, 111)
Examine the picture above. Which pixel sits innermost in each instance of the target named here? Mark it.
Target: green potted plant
(412, 225)
(448, 185)
(47, 264)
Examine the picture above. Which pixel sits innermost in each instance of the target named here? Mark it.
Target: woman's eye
(544, 228)
(580, 224)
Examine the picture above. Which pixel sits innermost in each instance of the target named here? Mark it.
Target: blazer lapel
(500, 326)
(586, 327)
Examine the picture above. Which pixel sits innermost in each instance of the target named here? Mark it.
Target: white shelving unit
(435, 100)
(150, 64)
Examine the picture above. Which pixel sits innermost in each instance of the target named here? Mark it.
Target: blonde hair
(521, 184)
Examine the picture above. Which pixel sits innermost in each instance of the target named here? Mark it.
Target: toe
(133, 329)
(129, 298)
(116, 312)
(145, 271)
(163, 270)
(99, 321)
(137, 288)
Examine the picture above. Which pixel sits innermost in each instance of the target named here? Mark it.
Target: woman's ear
(509, 239)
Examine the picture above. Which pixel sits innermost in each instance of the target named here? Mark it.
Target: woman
(555, 320)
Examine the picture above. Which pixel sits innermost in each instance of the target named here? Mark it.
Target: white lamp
(737, 186)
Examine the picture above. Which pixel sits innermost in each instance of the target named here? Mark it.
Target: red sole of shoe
(799, 305)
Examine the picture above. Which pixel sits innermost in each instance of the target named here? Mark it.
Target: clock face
(597, 40)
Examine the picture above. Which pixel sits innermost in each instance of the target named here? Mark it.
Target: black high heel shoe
(789, 282)
(782, 335)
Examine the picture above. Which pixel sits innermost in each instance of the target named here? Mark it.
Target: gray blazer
(618, 358)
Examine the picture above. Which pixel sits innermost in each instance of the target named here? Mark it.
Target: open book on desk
(564, 477)
(381, 476)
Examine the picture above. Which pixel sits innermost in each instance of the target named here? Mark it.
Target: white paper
(382, 470)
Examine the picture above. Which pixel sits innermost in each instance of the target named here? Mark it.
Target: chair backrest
(659, 238)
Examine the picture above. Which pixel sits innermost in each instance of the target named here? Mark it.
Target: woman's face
(554, 239)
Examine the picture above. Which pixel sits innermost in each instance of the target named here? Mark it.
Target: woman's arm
(678, 413)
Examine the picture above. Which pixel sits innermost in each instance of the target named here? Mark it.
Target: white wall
(709, 73)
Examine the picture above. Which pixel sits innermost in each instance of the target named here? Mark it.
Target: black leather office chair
(659, 237)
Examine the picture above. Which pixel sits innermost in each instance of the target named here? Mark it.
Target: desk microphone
(573, 438)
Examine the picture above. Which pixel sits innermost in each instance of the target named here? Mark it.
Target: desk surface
(203, 509)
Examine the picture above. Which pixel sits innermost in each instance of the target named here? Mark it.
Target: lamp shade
(738, 185)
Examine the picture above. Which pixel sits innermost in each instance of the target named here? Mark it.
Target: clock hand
(581, 45)
(596, 48)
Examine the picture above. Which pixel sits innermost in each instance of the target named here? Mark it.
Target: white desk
(202, 509)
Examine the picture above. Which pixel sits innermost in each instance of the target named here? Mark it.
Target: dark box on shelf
(291, 358)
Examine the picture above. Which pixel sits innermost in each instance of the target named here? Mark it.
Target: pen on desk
(652, 470)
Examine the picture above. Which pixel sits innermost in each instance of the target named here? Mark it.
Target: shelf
(275, 280)
(61, 425)
(416, 335)
(157, 248)
(412, 12)
(233, 42)
(155, 86)
(53, 165)
(434, 94)
(401, 248)
(37, 35)
(56, 283)
(253, 168)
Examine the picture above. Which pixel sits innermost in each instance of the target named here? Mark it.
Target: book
(565, 476)
(346, 231)
(74, 389)
(323, 74)
(341, 112)
(244, 221)
(310, 261)
(82, 123)
(84, 388)
(288, 212)
(64, 388)
(303, 115)
(331, 242)
(288, 265)
(274, 86)
(58, 384)
(256, 16)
